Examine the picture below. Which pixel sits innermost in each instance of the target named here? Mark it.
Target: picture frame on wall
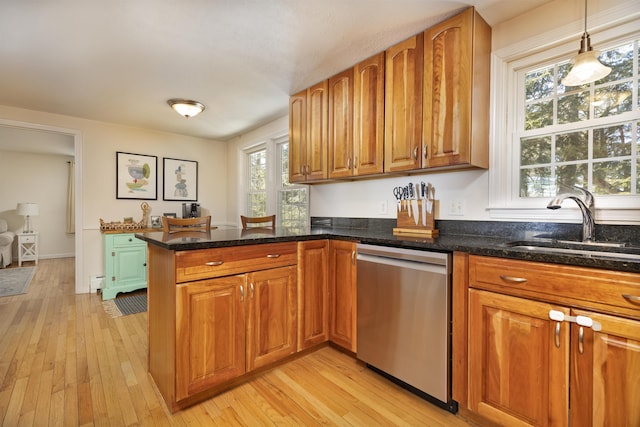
(180, 180)
(136, 176)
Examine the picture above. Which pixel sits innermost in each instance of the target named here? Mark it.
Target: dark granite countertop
(476, 238)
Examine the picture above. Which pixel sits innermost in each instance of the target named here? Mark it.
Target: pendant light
(186, 107)
(586, 66)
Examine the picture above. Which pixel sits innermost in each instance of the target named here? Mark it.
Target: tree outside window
(587, 135)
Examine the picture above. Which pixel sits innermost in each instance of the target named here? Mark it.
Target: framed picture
(180, 180)
(156, 222)
(136, 176)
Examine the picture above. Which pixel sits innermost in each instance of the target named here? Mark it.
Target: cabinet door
(518, 361)
(210, 333)
(125, 264)
(605, 372)
(456, 90)
(313, 265)
(342, 294)
(368, 118)
(341, 124)
(271, 333)
(403, 105)
(317, 127)
(297, 136)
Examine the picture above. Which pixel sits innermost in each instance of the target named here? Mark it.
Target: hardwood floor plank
(63, 361)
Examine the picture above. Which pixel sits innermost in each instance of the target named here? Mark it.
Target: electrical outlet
(382, 207)
(456, 207)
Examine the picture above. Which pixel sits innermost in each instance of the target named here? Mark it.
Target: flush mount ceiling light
(586, 66)
(186, 107)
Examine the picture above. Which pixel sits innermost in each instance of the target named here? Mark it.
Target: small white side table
(27, 247)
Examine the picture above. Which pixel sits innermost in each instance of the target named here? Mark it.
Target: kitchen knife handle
(273, 256)
(633, 299)
(513, 279)
(214, 263)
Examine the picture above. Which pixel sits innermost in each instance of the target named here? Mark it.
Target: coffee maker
(190, 210)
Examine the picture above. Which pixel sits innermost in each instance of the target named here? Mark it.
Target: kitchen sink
(616, 250)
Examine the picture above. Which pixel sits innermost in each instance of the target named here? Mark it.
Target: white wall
(39, 178)
(100, 141)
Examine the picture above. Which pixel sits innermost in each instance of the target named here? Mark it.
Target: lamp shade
(186, 107)
(28, 209)
(586, 69)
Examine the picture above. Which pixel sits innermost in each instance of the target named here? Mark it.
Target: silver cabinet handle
(252, 289)
(425, 151)
(557, 335)
(415, 152)
(241, 293)
(273, 256)
(513, 279)
(633, 299)
(349, 163)
(353, 257)
(581, 340)
(214, 263)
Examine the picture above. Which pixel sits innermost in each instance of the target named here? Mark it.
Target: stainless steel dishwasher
(404, 318)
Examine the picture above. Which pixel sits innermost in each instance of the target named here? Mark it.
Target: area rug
(15, 281)
(126, 304)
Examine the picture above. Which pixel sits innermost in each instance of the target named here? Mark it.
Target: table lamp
(28, 210)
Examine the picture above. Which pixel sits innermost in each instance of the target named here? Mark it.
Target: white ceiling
(120, 61)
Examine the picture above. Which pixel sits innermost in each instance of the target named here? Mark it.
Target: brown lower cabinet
(529, 369)
(342, 294)
(218, 314)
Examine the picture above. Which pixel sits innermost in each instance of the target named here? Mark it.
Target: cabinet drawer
(126, 240)
(218, 262)
(28, 239)
(585, 286)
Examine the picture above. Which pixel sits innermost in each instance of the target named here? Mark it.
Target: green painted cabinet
(125, 264)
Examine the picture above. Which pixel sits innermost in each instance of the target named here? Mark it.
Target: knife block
(406, 225)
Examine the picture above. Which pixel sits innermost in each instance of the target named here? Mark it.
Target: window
(586, 135)
(257, 194)
(293, 199)
(268, 187)
(546, 136)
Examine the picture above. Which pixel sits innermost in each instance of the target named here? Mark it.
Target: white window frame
(505, 203)
(273, 174)
(278, 183)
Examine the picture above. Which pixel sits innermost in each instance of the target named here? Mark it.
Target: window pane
(257, 171)
(539, 115)
(612, 177)
(536, 182)
(612, 100)
(257, 204)
(613, 141)
(572, 146)
(573, 108)
(620, 60)
(535, 150)
(539, 84)
(571, 175)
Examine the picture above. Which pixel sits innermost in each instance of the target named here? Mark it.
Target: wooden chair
(174, 225)
(254, 222)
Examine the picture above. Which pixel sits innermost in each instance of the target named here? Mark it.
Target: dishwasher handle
(402, 263)
(428, 257)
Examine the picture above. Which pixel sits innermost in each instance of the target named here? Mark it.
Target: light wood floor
(64, 362)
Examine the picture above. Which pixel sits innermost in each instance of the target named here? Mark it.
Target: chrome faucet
(584, 199)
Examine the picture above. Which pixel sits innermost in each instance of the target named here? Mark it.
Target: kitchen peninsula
(226, 305)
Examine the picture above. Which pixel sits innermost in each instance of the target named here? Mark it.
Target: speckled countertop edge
(478, 238)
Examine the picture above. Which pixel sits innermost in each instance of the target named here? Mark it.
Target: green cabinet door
(125, 264)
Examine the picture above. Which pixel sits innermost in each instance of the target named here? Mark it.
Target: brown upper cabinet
(421, 105)
(456, 92)
(403, 105)
(308, 121)
(356, 120)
